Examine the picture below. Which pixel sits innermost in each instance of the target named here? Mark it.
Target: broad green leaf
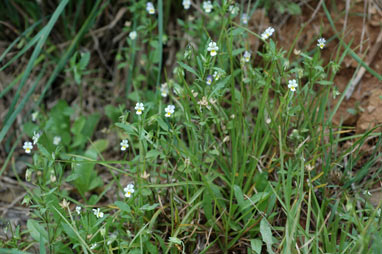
(189, 69)
(148, 207)
(36, 230)
(123, 206)
(152, 154)
(266, 234)
(100, 145)
(162, 124)
(256, 246)
(129, 128)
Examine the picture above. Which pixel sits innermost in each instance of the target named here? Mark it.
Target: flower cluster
(247, 56)
(164, 90)
(213, 48)
(36, 136)
(56, 140)
(129, 190)
(186, 4)
(292, 85)
(124, 144)
(233, 9)
(244, 19)
(139, 107)
(217, 75)
(207, 6)
(209, 80)
(170, 109)
(267, 33)
(133, 35)
(28, 147)
(97, 212)
(321, 43)
(150, 8)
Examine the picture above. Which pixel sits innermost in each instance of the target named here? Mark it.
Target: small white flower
(247, 56)
(28, 147)
(244, 18)
(233, 9)
(292, 85)
(321, 43)
(97, 212)
(213, 48)
(164, 90)
(124, 144)
(139, 108)
(56, 140)
(169, 110)
(209, 80)
(217, 75)
(133, 35)
(34, 116)
(150, 8)
(186, 4)
(267, 33)
(129, 190)
(93, 246)
(207, 6)
(36, 136)
(78, 209)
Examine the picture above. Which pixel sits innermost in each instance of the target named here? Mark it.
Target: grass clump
(234, 151)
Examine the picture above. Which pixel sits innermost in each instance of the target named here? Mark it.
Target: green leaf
(123, 206)
(87, 175)
(256, 246)
(219, 87)
(84, 61)
(36, 230)
(152, 154)
(112, 113)
(237, 31)
(238, 51)
(129, 128)
(173, 239)
(266, 234)
(78, 126)
(99, 145)
(162, 124)
(189, 69)
(42, 245)
(207, 206)
(325, 82)
(69, 231)
(148, 207)
(244, 205)
(151, 247)
(72, 177)
(293, 8)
